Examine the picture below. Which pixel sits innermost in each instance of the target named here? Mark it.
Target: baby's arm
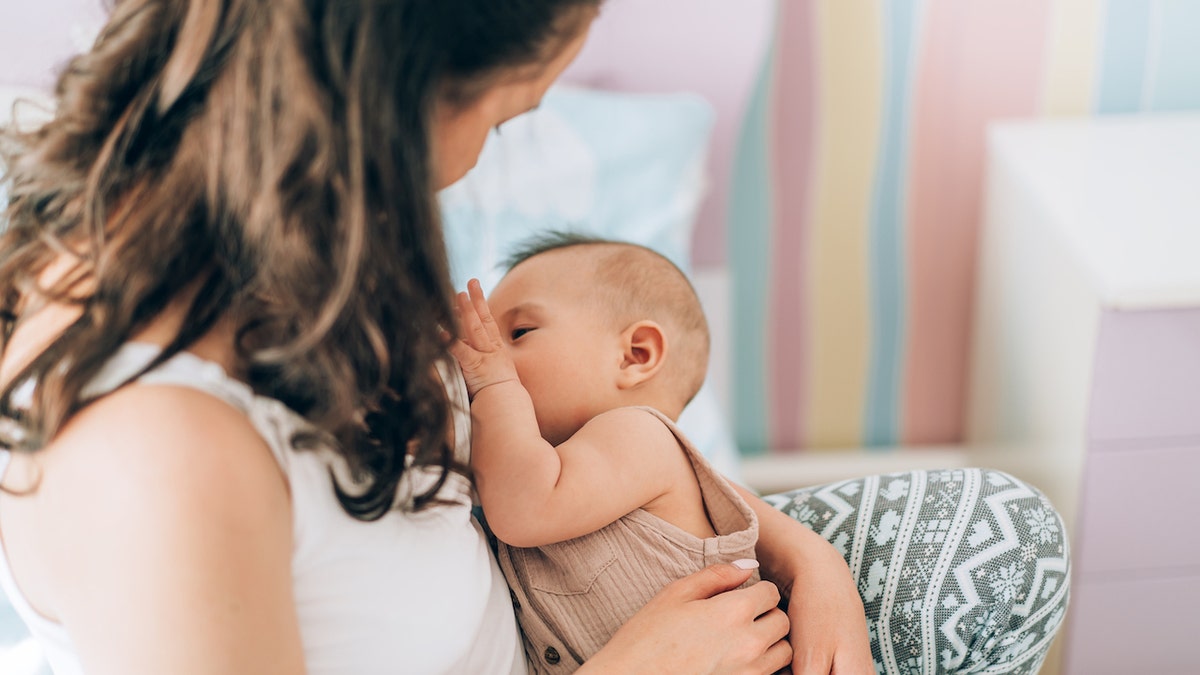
(532, 492)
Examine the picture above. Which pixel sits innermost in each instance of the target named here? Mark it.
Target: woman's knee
(965, 567)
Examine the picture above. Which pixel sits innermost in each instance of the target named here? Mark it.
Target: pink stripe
(793, 126)
(980, 61)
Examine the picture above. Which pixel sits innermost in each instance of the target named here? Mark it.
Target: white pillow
(35, 106)
(32, 108)
(629, 167)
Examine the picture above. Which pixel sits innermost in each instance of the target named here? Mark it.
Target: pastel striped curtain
(856, 202)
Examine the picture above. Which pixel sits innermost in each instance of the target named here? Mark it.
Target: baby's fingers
(465, 354)
(484, 312)
(473, 332)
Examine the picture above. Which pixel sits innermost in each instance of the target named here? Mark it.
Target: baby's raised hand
(480, 349)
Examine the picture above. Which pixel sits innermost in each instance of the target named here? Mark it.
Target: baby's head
(594, 325)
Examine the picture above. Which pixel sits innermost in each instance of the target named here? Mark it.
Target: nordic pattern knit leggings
(960, 571)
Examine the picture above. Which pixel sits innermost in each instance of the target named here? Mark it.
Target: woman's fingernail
(746, 564)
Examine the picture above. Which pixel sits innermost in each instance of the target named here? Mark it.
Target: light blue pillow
(621, 166)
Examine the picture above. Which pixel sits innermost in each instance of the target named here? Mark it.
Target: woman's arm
(168, 537)
(828, 624)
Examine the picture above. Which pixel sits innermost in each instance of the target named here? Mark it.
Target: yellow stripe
(1074, 35)
(849, 99)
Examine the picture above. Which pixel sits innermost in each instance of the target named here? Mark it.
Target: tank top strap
(184, 369)
(274, 421)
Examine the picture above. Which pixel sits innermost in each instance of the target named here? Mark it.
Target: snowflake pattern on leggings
(960, 571)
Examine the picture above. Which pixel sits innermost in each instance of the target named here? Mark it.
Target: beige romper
(571, 597)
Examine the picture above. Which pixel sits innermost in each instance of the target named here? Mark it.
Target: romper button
(551, 656)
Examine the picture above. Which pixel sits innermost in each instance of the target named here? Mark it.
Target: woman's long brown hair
(269, 160)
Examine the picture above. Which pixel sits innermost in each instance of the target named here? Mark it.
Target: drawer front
(1133, 626)
(1139, 510)
(1147, 376)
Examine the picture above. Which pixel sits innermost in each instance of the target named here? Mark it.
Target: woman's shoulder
(179, 450)
(146, 473)
(164, 433)
(156, 496)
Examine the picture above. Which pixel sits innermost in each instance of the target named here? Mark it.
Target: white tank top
(409, 593)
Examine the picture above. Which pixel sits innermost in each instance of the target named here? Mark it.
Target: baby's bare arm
(535, 494)
(532, 492)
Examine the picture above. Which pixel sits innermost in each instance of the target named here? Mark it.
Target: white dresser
(1086, 370)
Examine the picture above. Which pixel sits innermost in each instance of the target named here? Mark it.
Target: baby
(577, 367)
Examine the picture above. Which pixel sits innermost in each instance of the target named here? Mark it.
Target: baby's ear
(645, 350)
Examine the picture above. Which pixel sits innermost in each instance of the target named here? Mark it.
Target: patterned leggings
(960, 571)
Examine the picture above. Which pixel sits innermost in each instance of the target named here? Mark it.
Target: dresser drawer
(1147, 376)
(1125, 627)
(1139, 510)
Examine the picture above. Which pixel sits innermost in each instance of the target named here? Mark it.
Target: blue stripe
(749, 231)
(887, 227)
(1175, 61)
(1123, 56)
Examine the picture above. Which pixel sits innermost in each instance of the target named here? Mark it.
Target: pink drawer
(1138, 511)
(1147, 376)
(1130, 627)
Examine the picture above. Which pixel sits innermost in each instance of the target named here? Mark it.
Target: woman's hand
(698, 625)
(828, 624)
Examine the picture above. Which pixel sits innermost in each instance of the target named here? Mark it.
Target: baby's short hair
(637, 282)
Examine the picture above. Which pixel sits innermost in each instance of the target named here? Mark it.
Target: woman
(223, 283)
